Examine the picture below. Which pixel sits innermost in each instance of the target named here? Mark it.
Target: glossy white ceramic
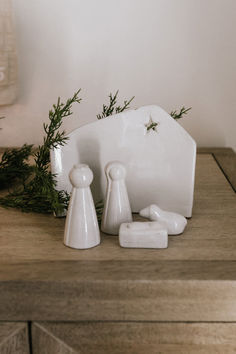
(117, 208)
(143, 235)
(160, 163)
(81, 229)
(174, 223)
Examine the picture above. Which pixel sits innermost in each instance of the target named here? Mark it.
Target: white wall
(166, 52)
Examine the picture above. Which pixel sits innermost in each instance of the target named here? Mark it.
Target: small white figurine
(143, 235)
(175, 223)
(81, 229)
(117, 207)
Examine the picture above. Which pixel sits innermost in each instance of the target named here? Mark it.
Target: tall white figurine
(81, 229)
(117, 207)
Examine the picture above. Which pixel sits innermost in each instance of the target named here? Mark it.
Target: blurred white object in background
(8, 57)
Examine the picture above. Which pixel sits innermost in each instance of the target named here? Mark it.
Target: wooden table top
(193, 280)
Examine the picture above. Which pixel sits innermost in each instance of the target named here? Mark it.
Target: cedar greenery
(178, 115)
(38, 192)
(14, 167)
(99, 210)
(112, 108)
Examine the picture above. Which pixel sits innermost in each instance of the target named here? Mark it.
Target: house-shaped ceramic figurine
(158, 153)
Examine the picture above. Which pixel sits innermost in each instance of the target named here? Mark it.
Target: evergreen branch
(39, 203)
(183, 110)
(53, 136)
(112, 108)
(37, 191)
(99, 210)
(125, 106)
(14, 167)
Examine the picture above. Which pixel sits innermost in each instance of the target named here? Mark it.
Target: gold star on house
(151, 125)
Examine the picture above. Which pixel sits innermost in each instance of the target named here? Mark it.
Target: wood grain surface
(226, 159)
(193, 280)
(134, 338)
(14, 338)
(45, 341)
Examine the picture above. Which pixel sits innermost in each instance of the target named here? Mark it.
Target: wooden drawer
(133, 338)
(14, 338)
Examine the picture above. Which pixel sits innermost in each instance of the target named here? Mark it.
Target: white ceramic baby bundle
(143, 235)
(174, 223)
(157, 166)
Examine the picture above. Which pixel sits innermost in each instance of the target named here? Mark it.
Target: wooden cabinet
(112, 300)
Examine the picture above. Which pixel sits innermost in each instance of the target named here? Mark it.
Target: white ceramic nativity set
(150, 171)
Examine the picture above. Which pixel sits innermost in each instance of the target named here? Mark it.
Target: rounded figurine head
(145, 213)
(81, 176)
(116, 170)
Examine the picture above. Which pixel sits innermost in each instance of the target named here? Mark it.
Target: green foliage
(38, 193)
(37, 199)
(99, 209)
(14, 167)
(179, 115)
(112, 108)
(53, 136)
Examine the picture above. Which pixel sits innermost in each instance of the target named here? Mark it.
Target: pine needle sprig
(178, 115)
(39, 194)
(53, 137)
(99, 210)
(14, 167)
(38, 203)
(112, 108)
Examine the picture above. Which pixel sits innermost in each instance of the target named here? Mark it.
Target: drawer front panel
(133, 337)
